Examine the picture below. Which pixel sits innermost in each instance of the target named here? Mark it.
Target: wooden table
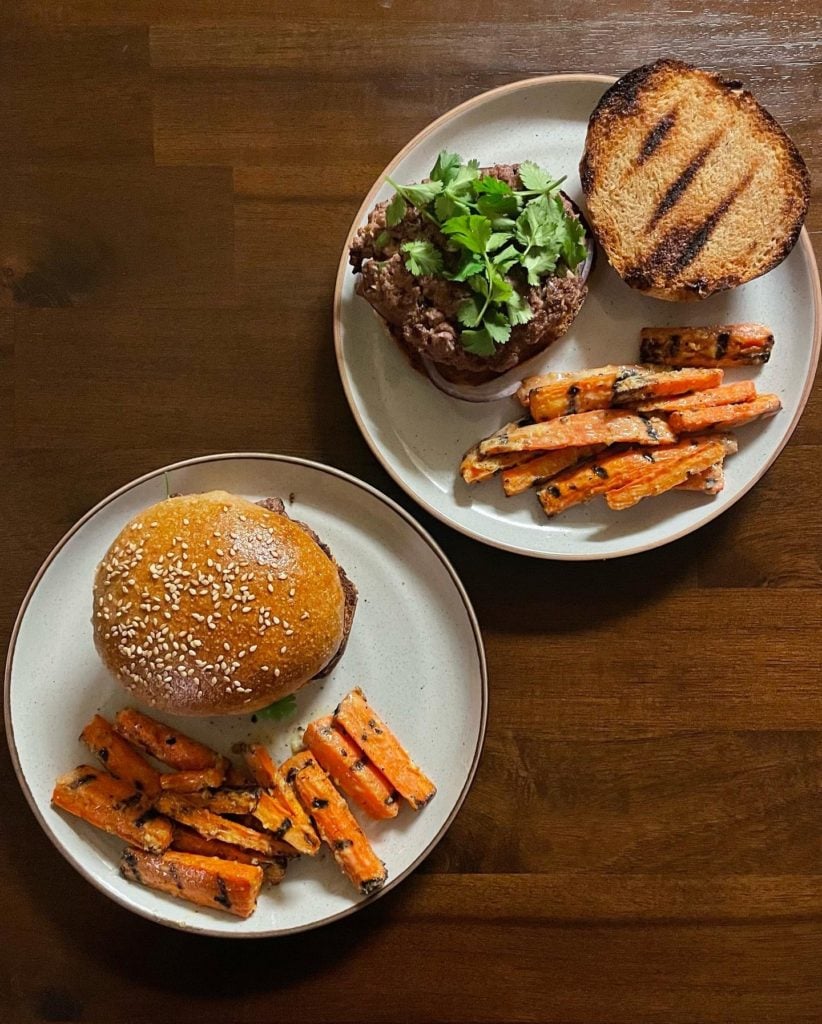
(642, 842)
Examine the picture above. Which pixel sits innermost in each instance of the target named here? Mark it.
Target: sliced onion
(507, 383)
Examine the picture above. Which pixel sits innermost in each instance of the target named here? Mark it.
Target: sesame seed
(253, 648)
(265, 668)
(226, 646)
(283, 649)
(304, 615)
(282, 575)
(292, 592)
(185, 522)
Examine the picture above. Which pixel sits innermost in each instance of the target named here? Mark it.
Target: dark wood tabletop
(642, 840)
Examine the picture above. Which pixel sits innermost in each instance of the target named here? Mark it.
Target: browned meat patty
(421, 311)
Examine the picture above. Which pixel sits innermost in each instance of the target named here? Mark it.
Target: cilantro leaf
(470, 266)
(519, 309)
(497, 239)
(446, 167)
(495, 198)
(506, 258)
(538, 223)
(419, 195)
(470, 231)
(395, 211)
(501, 289)
(497, 325)
(280, 709)
(539, 261)
(422, 258)
(470, 312)
(479, 343)
(382, 239)
(535, 179)
(446, 206)
(572, 243)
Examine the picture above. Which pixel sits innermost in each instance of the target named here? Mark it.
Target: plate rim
(804, 242)
(393, 506)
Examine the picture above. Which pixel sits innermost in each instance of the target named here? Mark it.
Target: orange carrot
(726, 345)
(190, 782)
(166, 744)
(475, 467)
(663, 476)
(724, 416)
(709, 481)
(119, 757)
(540, 468)
(206, 881)
(186, 840)
(726, 394)
(112, 805)
(580, 392)
(261, 765)
(212, 826)
(294, 825)
(569, 377)
(367, 729)
(336, 824)
(605, 426)
(350, 769)
(653, 382)
(224, 801)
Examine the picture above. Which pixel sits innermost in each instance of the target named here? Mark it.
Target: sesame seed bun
(207, 604)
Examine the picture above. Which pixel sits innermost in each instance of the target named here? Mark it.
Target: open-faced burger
(475, 270)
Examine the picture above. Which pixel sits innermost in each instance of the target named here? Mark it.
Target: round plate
(415, 648)
(419, 434)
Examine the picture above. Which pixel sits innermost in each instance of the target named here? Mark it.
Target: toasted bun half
(692, 187)
(208, 604)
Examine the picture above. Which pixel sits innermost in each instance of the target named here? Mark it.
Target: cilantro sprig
(280, 709)
(497, 237)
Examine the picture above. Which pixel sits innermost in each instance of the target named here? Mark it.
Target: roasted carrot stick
(186, 840)
(224, 801)
(569, 378)
(112, 805)
(540, 468)
(726, 394)
(663, 476)
(294, 825)
(119, 757)
(653, 382)
(191, 782)
(350, 768)
(367, 729)
(724, 345)
(584, 392)
(212, 826)
(206, 881)
(336, 824)
(724, 416)
(166, 744)
(475, 467)
(605, 426)
(709, 481)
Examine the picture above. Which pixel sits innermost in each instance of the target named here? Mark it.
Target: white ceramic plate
(419, 434)
(415, 648)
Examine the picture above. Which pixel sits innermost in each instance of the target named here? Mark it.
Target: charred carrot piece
(568, 377)
(294, 824)
(539, 469)
(191, 782)
(726, 394)
(665, 475)
(350, 768)
(186, 840)
(369, 731)
(237, 776)
(166, 744)
(113, 806)
(274, 872)
(605, 426)
(212, 826)
(724, 416)
(337, 825)
(655, 383)
(475, 467)
(119, 757)
(206, 881)
(709, 481)
(581, 392)
(723, 345)
(224, 801)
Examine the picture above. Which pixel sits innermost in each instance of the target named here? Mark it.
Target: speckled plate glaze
(419, 434)
(415, 648)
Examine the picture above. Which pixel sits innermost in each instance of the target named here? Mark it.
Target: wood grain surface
(642, 842)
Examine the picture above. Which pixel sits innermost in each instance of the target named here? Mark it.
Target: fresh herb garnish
(280, 709)
(492, 230)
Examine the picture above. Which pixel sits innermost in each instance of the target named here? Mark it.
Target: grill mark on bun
(678, 188)
(655, 136)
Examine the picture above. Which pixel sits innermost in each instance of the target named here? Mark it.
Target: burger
(209, 604)
(475, 271)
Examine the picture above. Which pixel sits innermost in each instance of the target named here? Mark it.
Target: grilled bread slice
(692, 187)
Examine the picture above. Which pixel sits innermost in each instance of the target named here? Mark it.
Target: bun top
(209, 604)
(692, 187)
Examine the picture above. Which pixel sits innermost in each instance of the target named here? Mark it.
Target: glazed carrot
(112, 805)
(206, 881)
(724, 416)
(540, 468)
(350, 769)
(367, 729)
(580, 484)
(580, 392)
(570, 377)
(663, 476)
(475, 467)
(190, 782)
(224, 801)
(605, 426)
(724, 345)
(187, 840)
(726, 394)
(294, 824)
(336, 824)
(709, 481)
(652, 382)
(119, 757)
(212, 826)
(166, 744)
